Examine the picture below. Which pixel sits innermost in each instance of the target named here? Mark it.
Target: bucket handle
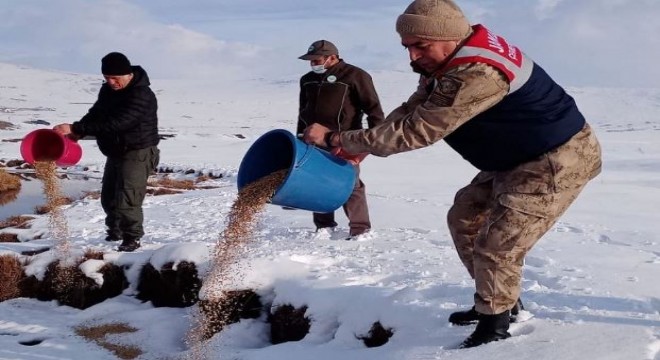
(306, 155)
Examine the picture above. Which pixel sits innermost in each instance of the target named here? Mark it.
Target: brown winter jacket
(338, 98)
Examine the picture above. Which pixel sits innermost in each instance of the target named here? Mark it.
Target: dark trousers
(123, 190)
(355, 208)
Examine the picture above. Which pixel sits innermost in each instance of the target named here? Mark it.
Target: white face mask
(319, 69)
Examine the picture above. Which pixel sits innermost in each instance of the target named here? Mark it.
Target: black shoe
(329, 228)
(517, 308)
(471, 316)
(113, 235)
(129, 245)
(490, 328)
(355, 233)
(462, 318)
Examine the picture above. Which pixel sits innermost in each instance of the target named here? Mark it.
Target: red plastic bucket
(49, 145)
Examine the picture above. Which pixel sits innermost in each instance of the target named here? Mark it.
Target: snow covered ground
(590, 283)
(225, 72)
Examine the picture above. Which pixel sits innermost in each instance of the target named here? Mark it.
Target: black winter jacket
(122, 120)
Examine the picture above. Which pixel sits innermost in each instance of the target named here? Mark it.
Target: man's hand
(64, 129)
(354, 159)
(315, 134)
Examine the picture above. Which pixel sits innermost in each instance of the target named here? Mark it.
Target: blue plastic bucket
(316, 180)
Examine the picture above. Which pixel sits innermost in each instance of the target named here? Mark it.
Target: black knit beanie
(115, 63)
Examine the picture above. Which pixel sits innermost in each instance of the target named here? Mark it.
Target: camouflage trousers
(499, 216)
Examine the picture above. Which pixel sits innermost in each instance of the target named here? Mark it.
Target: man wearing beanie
(124, 121)
(337, 95)
(502, 113)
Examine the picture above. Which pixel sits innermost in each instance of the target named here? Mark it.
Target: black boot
(113, 235)
(489, 328)
(516, 310)
(129, 244)
(471, 316)
(466, 317)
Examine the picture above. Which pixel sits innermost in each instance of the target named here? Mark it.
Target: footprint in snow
(537, 262)
(566, 228)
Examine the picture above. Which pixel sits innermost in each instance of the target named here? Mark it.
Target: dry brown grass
(8, 237)
(9, 196)
(162, 191)
(18, 222)
(166, 185)
(4, 125)
(11, 274)
(202, 178)
(98, 333)
(163, 185)
(172, 183)
(94, 195)
(59, 201)
(8, 181)
(93, 254)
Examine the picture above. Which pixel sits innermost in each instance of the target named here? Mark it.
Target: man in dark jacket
(336, 95)
(123, 119)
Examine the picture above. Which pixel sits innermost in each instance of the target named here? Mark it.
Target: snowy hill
(589, 282)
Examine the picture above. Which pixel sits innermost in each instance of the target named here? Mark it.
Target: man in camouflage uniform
(502, 112)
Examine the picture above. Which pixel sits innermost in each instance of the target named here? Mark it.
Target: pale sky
(602, 43)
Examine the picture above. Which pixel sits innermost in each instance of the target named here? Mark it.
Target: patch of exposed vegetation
(171, 170)
(17, 222)
(11, 273)
(183, 184)
(162, 191)
(169, 287)
(4, 125)
(70, 286)
(45, 209)
(94, 195)
(12, 163)
(9, 182)
(288, 323)
(378, 335)
(8, 237)
(230, 308)
(9, 196)
(93, 254)
(98, 334)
